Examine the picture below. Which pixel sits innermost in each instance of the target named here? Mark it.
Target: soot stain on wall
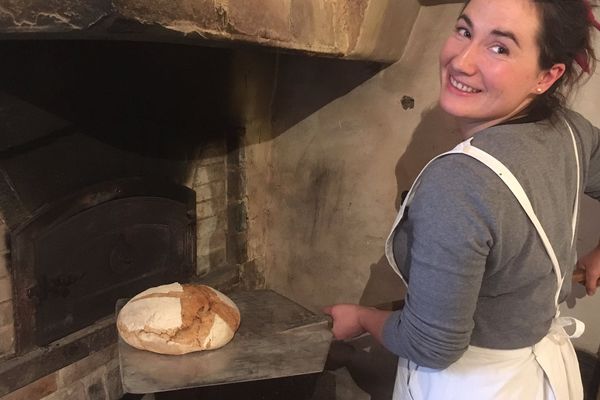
(324, 193)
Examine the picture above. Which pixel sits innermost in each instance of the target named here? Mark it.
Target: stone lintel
(372, 30)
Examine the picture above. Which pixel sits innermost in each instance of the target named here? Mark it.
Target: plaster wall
(335, 173)
(328, 180)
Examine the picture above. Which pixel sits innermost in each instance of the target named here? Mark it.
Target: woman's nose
(466, 60)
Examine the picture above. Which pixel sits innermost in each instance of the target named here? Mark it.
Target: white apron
(546, 371)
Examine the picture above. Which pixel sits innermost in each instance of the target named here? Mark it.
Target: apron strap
(515, 187)
(576, 204)
(568, 321)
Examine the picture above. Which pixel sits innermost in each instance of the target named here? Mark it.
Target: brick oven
(95, 211)
(131, 155)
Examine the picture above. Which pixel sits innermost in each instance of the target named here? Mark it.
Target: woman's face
(489, 65)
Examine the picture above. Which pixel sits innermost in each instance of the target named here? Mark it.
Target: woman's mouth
(462, 87)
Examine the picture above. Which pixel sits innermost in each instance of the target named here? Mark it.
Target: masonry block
(208, 226)
(76, 391)
(35, 390)
(211, 191)
(209, 173)
(237, 248)
(252, 276)
(208, 262)
(6, 313)
(94, 385)
(267, 19)
(114, 386)
(5, 289)
(96, 390)
(83, 367)
(312, 21)
(237, 217)
(212, 153)
(3, 237)
(4, 265)
(53, 15)
(209, 208)
(7, 339)
(208, 243)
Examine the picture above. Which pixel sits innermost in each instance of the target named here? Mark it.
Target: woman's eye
(500, 50)
(463, 32)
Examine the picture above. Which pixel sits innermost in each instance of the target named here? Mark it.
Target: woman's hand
(591, 264)
(346, 320)
(351, 320)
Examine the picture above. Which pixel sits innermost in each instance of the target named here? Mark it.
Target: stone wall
(7, 336)
(93, 378)
(209, 180)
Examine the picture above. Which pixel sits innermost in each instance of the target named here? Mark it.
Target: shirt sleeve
(592, 184)
(589, 136)
(450, 233)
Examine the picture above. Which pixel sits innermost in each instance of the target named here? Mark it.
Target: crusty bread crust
(178, 319)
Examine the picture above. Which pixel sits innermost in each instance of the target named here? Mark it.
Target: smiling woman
(488, 262)
(491, 67)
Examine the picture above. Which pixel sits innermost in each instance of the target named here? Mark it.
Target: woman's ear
(547, 78)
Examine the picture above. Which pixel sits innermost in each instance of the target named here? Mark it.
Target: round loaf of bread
(178, 319)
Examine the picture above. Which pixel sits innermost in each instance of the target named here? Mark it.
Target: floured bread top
(160, 312)
(177, 319)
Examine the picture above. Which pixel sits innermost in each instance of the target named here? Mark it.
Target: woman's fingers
(345, 320)
(587, 271)
(579, 275)
(591, 280)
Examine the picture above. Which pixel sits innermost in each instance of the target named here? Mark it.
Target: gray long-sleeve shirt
(477, 270)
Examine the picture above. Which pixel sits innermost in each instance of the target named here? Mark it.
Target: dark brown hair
(565, 34)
